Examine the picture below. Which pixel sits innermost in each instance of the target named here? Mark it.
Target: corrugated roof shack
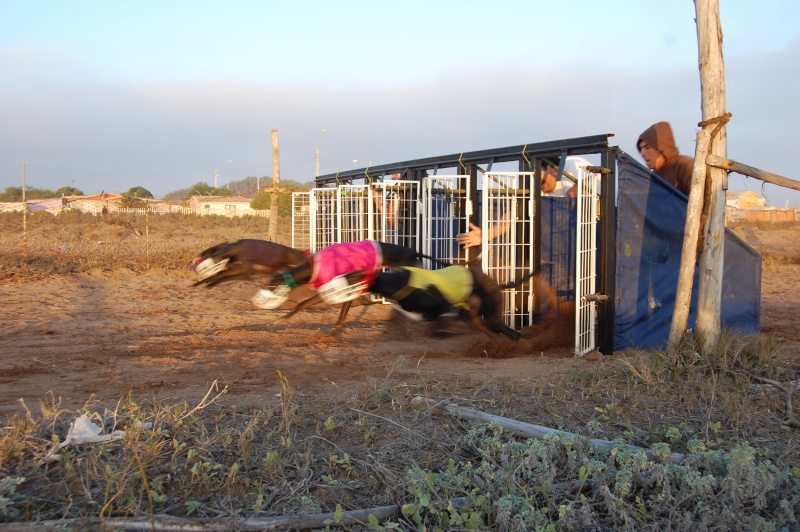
(236, 205)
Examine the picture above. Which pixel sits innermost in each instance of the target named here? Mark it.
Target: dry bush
(75, 242)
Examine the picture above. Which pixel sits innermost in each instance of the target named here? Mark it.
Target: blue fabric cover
(650, 225)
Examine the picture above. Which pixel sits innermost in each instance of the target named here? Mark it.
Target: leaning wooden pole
(712, 84)
(750, 171)
(683, 295)
(276, 183)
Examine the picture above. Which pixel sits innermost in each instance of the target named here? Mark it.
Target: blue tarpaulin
(650, 222)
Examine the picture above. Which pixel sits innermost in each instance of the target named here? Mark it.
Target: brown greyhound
(242, 259)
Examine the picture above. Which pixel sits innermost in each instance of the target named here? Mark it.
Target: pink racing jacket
(341, 259)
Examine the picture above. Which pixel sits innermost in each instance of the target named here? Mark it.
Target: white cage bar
(588, 192)
(324, 219)
(397, 213)
(446, 207)
(355, 209)
(301, 220)
(507, 208)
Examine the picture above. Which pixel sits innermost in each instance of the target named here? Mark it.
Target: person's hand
(471, 238)
(573, 191)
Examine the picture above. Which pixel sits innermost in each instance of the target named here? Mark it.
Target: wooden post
(712, 84)
(683, 296)
(276, 182)
(24, 216)
(147, 234)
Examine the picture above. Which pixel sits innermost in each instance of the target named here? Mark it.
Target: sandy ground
(73, 340)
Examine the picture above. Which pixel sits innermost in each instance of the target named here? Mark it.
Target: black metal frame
(523, 153)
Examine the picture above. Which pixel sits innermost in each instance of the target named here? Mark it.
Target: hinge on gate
(598, 170)
(594, 297)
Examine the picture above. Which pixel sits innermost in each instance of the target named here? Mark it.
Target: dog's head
(205, 268)
(211, 260)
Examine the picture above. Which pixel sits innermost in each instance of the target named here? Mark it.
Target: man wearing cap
(657, 147)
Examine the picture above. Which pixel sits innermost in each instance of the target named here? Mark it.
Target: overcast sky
(112, 95)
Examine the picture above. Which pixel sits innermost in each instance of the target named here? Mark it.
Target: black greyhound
(241, 259)
(426, 294)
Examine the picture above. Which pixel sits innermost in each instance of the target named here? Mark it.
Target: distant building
(236, 205)
(744, 199)
(749, 206)
(38, 205)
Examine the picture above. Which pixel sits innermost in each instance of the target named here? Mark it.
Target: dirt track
(100, 335)
(75, 339)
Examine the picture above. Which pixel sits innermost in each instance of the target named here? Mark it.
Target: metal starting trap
(424, 204)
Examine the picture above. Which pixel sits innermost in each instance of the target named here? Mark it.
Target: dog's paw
(320, 337)
(444, 333)
(511, 334)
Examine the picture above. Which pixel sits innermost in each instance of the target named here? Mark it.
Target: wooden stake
(147, 234)
(683, 296)
(24, 217)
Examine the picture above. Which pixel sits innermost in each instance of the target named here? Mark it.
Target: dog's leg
(240, 276)
(313, 300)
(441, 328)
(496, 326)
(342, 315)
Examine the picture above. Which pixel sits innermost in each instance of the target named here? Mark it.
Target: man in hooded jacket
(657, 147)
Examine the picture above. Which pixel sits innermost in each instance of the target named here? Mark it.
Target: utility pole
(322, 132)
(712, 84)
(276, 183)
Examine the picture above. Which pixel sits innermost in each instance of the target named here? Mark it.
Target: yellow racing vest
(454, 282)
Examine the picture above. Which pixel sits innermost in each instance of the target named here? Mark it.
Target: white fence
(301, 220)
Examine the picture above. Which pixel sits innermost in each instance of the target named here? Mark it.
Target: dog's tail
(516, 283)
(435, 260)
